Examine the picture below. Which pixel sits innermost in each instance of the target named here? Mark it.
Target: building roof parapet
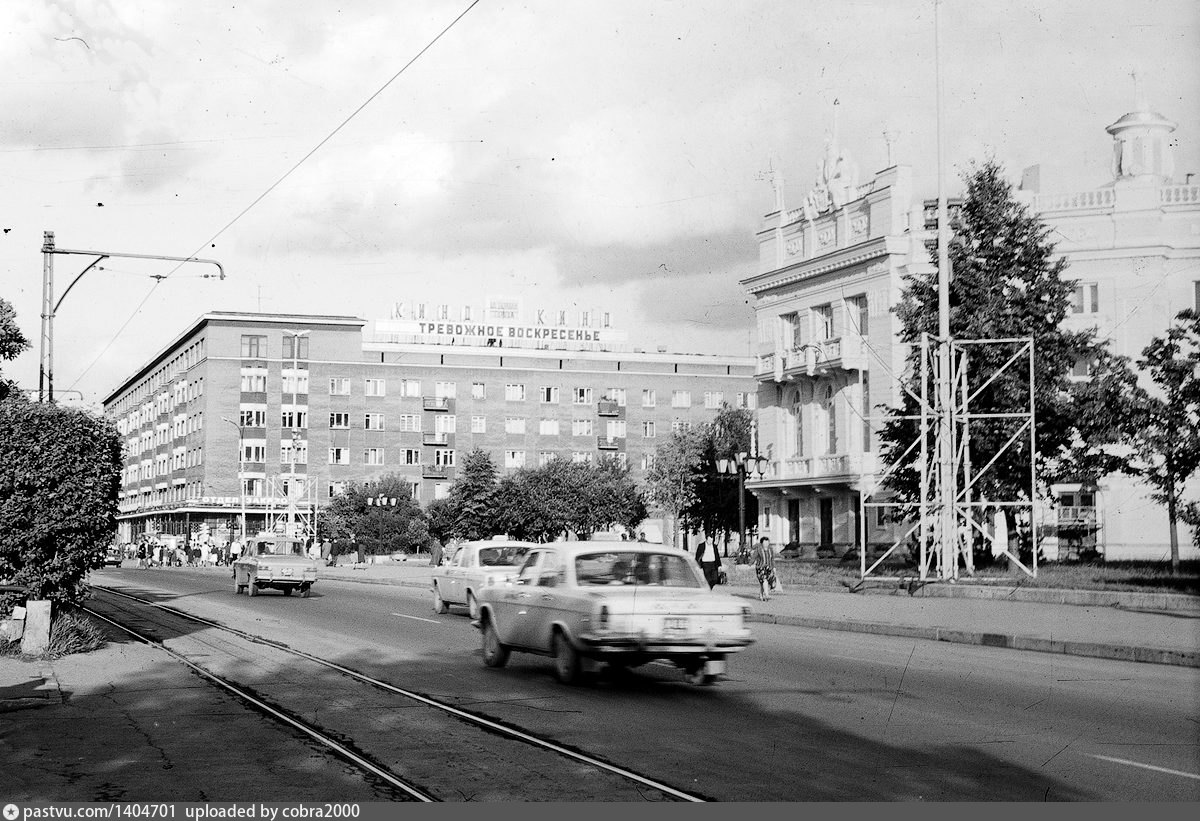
(842, 258)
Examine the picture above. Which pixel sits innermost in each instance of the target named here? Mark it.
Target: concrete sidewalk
(1154, 628)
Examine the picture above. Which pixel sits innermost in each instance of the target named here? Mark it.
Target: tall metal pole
(241, 469)
(945, 456)
(46, 366)
(741, 509)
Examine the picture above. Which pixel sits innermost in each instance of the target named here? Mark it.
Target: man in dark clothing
(710, 561)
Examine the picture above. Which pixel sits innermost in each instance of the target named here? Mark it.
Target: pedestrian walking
(141, 556)
(710, 561)
(764, 569)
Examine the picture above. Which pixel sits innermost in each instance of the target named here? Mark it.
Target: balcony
(435, 471)
(846, 353)
(435, 439)
(1076, 518)
(609, 442)
(607, 407)
(436, 403)
(843, 467)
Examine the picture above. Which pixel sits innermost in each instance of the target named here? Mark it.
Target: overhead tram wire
(279, 181)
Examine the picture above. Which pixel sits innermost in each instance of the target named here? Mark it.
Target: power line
(286, 174)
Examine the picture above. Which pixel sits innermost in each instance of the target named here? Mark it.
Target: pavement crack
(900, 686)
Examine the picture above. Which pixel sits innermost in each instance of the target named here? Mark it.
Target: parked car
(586, 604)
(471, 568)
(114, 556)
(274, 563)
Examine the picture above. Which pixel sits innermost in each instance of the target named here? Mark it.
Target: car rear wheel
(472, 606)
(495, 654)
(305, 592)
(566, 660)
(439, 606)
(287, 591)
(252, 589)
(237, 588)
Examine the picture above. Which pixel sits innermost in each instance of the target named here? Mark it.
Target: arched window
(830, 409)
(797, 431)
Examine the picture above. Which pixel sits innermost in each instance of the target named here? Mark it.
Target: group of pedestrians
(763, 557)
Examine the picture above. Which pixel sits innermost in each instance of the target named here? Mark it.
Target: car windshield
(630, 568)
(501, 556)
(278, 549)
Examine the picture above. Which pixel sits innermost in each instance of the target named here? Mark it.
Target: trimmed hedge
(60, 473)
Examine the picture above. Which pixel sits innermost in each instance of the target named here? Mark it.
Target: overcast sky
(584, 155)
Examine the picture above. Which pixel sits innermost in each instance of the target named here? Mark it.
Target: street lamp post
(740, 465)
(241, 481)
(295, 337)
(50, 306)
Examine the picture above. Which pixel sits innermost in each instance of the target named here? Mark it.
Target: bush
(59, 479)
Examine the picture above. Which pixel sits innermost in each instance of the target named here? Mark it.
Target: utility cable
(279, 181)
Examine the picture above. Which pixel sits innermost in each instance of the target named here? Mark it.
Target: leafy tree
(12, 344)
(715, 508)
(472, 498)
(378, 528)
(1006, 284)
(60, 473)
(544, 503)
(673, 476)
(1165, 434)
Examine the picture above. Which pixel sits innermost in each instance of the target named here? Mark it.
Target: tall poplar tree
(1006, 284)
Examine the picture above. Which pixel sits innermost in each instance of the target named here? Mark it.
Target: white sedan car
(471, 568)
(584, 604)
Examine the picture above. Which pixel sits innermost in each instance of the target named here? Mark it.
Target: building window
(616, 395)
(829, 405)
(649, 400)
(548, 427)
(549, 394)
(410, 456)
(713, 399)
(293, 419)
(336, 489)
(254, 452)
(253, 418)
(339, 420)
(1082, 368)
(254, 347)
(514, 424)
(375, 387)
(647, 461)
(339, 386)
(445, 424)
(582, 427)
(514, 393)
(374, 421)
(648, 430)
(445, 390)
(615, 429)
(295, 347)
(514, 458)
(478, 424)
(822, 319)
(478, 391)
(339, 456)
(582, 396)
(443, 458)
(443, 312)
(373, 456)
(410, 422)
(1086, 299)
(254, 381)
(441, 490)
(286, 450)
(581, 458)
(857, 314)
(410, 387)
(678, 425)
(545, 457)
(681, 399)
(295, 381)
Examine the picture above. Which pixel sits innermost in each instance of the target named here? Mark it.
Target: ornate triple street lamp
(740, 465)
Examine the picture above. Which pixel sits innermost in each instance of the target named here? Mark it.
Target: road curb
(1114, 652)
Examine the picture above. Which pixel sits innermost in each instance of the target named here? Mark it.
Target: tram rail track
(560, 770)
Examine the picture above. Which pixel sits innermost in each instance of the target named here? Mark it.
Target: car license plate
(675, 625)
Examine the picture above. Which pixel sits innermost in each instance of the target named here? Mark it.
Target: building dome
(1141, 118)
(1142, 148)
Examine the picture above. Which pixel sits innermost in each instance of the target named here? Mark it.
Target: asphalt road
(803, 715)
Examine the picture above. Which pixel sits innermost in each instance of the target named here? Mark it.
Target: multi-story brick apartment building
(830, 274)
(270, 412)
